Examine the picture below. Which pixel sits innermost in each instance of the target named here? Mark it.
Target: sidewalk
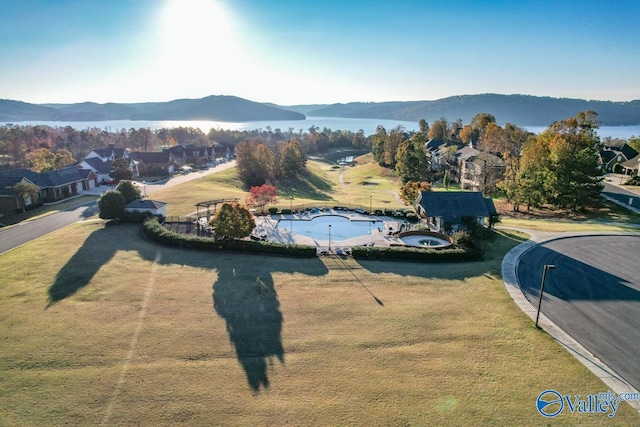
(510, 278)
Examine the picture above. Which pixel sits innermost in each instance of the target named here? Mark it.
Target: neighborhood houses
(475, 170)
(47, 187)
(23, 189)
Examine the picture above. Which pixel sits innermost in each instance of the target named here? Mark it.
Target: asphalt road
(621, 195)
(26, 231)
(593, 294)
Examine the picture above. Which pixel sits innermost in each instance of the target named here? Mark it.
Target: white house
(154, 207)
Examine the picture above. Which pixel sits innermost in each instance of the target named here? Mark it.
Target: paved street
(26, 231)
(593, 294)
(614, 191)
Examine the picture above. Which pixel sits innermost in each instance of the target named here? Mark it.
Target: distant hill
(217, 108)
(523, 110)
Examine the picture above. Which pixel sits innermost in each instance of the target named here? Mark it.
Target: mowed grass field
(324, 183)
(102, 327)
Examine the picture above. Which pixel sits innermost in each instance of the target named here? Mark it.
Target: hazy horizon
(310, 103)
(295, 53)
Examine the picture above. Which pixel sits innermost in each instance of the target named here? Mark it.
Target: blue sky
(298, 52)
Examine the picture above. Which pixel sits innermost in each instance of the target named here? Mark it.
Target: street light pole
(291, 204)
(144, 185)
(369, 205)
(544, 276)
(329, 237)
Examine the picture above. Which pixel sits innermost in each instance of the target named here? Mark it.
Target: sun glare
(198, 44)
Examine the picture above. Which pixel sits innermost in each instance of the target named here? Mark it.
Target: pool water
(342, 228)
(424, 241)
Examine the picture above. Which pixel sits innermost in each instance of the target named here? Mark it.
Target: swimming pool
(342, 228)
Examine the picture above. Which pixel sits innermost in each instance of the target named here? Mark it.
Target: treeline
(258, 162)
(16, 141)
(558, 167)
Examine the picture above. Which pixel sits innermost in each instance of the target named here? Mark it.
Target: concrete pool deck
(266, 227)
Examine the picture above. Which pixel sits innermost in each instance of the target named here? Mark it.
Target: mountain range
(523, 110)
(216, 108)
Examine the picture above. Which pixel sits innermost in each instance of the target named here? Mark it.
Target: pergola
(213, 203)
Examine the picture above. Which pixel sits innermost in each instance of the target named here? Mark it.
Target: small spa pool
(424, 241)
(342, 228)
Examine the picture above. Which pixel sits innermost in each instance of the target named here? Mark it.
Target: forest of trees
(558, 167)
(40, 147)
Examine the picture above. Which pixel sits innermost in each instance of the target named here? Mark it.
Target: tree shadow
(598, 305)
(574, 280)
(95, 252)
(305, 186)
(250, 307)
(494, 251)
(248, 302)
(244, 297)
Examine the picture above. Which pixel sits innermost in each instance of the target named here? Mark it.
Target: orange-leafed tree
(261, 196)
(409, 192)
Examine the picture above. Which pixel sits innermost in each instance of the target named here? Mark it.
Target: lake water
(334, 123)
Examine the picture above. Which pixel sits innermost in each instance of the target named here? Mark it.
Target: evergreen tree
(129, 191)
(411, 162)
(111, 205)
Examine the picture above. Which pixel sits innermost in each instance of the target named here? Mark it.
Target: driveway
(26, 231)
(593, 294)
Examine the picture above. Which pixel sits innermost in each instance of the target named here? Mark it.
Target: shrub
(138, 217)
(412, 217)
(388, 212)
(273, 211)
(286, 211)
(633, 181)
(129, 191)
(404, 253)
(460, 239)
(155, 231)
(111, 205)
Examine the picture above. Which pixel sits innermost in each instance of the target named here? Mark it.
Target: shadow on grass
(305, 186)
(495, 248)
(244, 294)
(245, 297)
(598, 305)
(250, 307)
(95, 252)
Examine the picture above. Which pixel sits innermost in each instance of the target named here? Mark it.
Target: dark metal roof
(452, 206)
(6, 184)
(144, 204)
(162, 157)
(55, 178)
(98, 165)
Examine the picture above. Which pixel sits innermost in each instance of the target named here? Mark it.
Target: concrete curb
(510, 277)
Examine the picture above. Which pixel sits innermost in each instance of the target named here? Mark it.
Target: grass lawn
(321, 184)
(608, 216)
(100, 326)
(47, 210)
